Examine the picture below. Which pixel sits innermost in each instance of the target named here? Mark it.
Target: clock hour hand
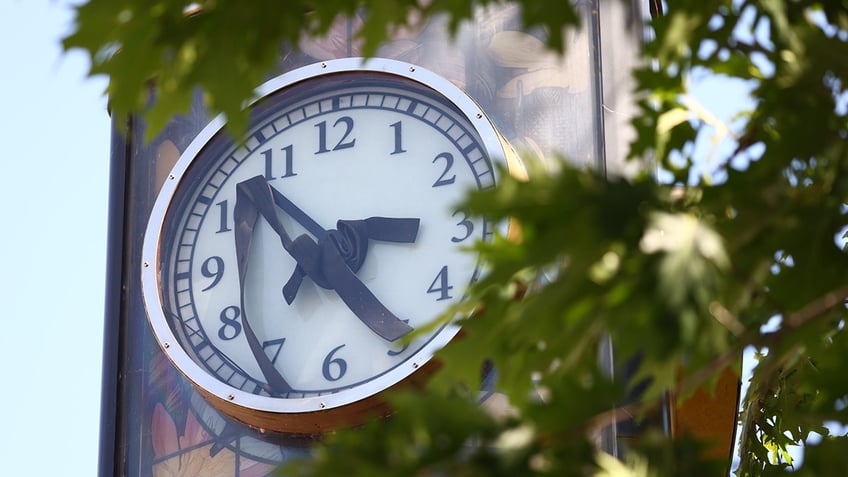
(350, 236)
(351, 239)
(327, 261)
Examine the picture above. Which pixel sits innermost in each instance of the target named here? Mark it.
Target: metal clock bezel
(493, 146)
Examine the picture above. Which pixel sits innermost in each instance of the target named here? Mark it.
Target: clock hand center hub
(346, 243)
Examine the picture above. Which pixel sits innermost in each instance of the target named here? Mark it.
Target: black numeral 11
(269, 163)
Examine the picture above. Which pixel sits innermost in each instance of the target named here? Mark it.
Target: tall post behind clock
(154, 421)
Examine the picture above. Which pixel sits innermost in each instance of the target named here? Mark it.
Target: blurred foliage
(683, 273)
(227, 48)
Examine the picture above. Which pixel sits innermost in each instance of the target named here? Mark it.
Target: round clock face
(286, 273)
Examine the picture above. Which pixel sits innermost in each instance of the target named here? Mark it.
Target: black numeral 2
(444, 179)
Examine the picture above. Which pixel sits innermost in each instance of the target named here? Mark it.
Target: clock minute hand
(245, 216)
(294, 212)
(323, 261)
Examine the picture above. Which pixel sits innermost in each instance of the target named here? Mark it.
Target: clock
(291, 276)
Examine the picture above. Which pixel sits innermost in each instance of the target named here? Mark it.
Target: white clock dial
(283, 273)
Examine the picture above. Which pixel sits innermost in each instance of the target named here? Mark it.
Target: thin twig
(817, 308)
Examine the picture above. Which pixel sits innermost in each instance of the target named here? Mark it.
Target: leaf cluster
(777, 198)
(683, 275)
(538, 319)
(156, 54)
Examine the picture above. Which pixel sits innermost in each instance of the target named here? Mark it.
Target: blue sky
(53, 191)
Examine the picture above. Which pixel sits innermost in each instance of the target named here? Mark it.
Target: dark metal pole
(110, 440)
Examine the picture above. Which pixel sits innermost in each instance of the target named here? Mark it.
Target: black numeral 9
(212, 267)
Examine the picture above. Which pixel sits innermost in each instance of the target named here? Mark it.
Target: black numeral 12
(343, 143)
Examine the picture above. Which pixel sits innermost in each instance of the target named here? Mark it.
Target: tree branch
(817, 308)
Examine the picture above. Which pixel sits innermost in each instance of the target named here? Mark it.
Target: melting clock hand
(350, 239)
(333, 260)
(323, 262)
(245, 216)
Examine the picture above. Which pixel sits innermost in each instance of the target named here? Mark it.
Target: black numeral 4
(440, 285)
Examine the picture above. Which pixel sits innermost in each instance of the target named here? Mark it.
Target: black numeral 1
(398, 137)
(440, 285)
(224, 224)
(269, 163)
